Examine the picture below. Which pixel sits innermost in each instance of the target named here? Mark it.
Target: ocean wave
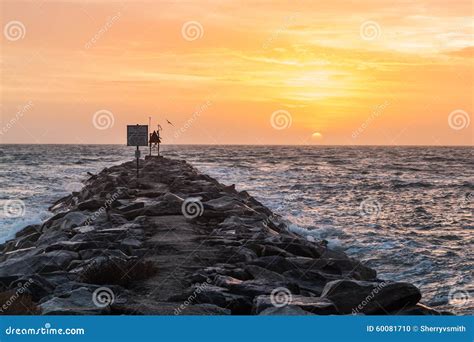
(418, 194)
(8, 230)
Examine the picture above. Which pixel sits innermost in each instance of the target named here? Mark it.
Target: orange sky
(238, 72)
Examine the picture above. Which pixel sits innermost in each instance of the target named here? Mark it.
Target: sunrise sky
(238, 72)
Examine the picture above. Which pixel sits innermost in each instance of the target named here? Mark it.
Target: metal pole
(149, 137)
(138, 156)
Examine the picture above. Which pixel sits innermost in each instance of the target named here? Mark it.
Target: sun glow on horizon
(219, 70)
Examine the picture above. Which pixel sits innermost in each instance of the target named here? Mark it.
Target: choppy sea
(405, 211)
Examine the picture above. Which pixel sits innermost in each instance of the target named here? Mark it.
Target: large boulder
(168, 308)
(92, 204)
(289, 310)
(219, 296)
(168, 204)
(366, 297)
(40, 263)
(315, 305)
(71, 220)
(77, 302)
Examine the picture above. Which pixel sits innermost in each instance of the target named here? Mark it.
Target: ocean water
(406, 211)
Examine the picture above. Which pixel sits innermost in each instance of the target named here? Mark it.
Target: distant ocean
(406, 211)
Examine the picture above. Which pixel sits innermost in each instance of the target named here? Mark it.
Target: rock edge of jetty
(178, 242)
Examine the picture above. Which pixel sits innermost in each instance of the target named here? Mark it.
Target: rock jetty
(177, 242)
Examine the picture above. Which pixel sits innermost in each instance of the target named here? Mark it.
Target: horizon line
(198, 144)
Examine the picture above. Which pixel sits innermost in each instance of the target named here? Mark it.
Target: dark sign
(137, 135)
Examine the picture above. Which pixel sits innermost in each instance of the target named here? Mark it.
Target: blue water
(406, 211)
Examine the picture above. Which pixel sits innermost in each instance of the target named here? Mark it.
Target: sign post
(137, 135)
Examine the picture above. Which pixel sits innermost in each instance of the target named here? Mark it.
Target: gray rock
(75, 245)
(51, 236)
(315, 305)
(258, 272)
(167, 308)
(28, 230)
(84, 229)
(219, 296)
(6, 280)
(168, 204)
(94, 253)
(418, 310)
(71, 220)
(131, 242)
(253, 288)
(78, 302)
(92, 204)
(288, 310)
(35, 285)
(133, 206)
(41, 263)
(275, 263)
(352, 296)
(224, 203)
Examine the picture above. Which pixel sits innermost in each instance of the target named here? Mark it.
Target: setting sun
(327, 65)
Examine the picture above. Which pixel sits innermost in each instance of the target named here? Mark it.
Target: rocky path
(178, 242)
